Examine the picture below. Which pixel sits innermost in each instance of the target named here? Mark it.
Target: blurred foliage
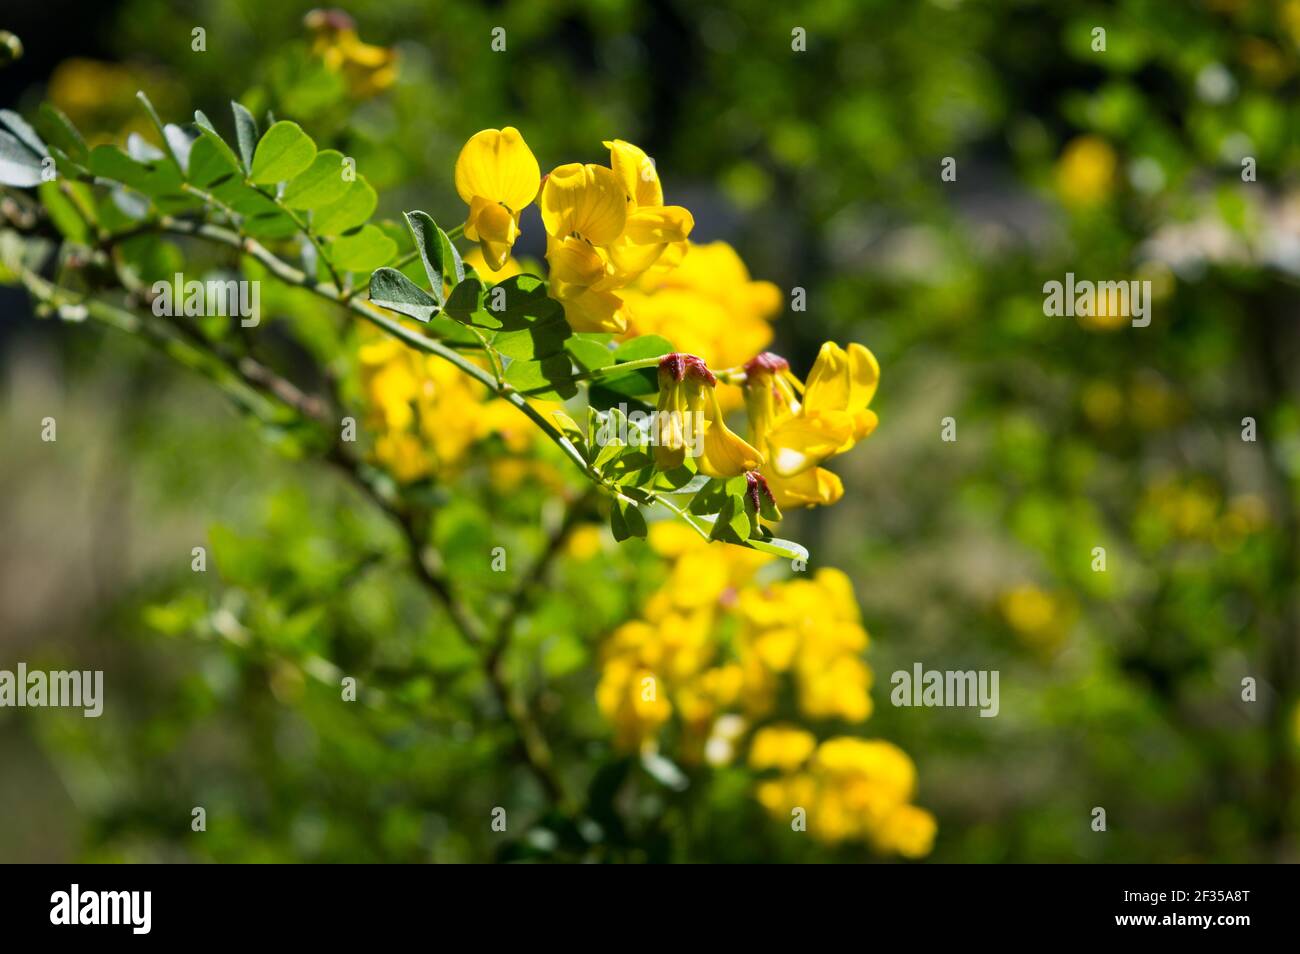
(1121, 688)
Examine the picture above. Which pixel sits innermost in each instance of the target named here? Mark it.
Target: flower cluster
(426, 414)
(612, 244)
(368, 69)
(717, 652)
(851, 789)
(606, 226)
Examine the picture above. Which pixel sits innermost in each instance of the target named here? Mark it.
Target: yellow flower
(427, 414)
(796, 434)
(99, 97)
(908, 831)
(368, 69)
(605, 227)
(497, 176)
(1040, 619)
(855, 789)
(651, 227)
(707, 305)
(783, 747)
(1085, 173)
(688, 411)
(628, 696)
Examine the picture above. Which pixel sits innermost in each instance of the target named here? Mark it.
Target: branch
(225, 369)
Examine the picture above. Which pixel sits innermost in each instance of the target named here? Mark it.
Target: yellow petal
(595, 311)
(628, 261)
(864, 424)
(828, 382)
(726, 454)
(573, 262)
(498, 165)
(864, 376)
(655, 226)
(804, 440)
(585, 199)
(636, 171)
(815, 487)
(494, 228)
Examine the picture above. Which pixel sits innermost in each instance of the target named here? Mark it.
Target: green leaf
(319, 184)
(643, 346)
(158, 180)
(201, 120)
(59, 131)
(210, 132)
(627, 389)
(245, 133)
(626, 520)
(23, 132)
(363, 250)
(589, 354)
(390, 289)
(68, 167)
(130, 204)
(610, 435)
(64, 212)
(733, 524)
(282, 153)
(142, 150)
(209, 165)
(261, 216)
(570, 429)
(465, 304)
(710, 499)
(532, 323)
(550, 378)
(18, 166)
(442, 263)
(786, 549)
(346, 213)
(180, 142)
(153, 113)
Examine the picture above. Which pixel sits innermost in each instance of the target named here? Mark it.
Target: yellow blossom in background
(497, 176)
(782, 747)
(585, 542)
(1086, 171)
(427, 414)
(854, 789)
(1194, 510)
(709, 655)
(368, 69)
(1038, 618)
(708, 306)
(908, 831)
(99, 97)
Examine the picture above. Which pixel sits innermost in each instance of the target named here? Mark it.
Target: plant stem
(245, 381)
